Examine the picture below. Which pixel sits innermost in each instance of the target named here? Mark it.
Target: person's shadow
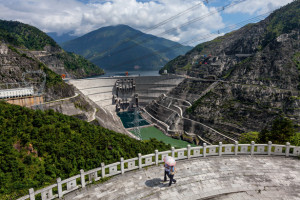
(156, 182)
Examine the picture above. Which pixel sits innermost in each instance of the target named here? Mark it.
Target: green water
(152, 132)
(127, 119)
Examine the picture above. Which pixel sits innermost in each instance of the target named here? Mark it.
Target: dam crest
(224, 171)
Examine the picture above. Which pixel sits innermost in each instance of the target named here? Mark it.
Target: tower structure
(136, 122)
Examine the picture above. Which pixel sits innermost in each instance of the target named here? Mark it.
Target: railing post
(236, 148)
(156, 157)
(204, 149)
(252, 147)
(82, 178)
(173, 152)
(122, 166)
(287, 149)
(59, 188)
(220, 148)
(102, 170)
(269, 148)
(31, 194)
(140, 160)
(189, 151)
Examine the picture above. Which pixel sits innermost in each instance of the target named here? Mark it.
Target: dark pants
(171, 177)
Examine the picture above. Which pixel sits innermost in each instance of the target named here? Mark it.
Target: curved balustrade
(63, 187)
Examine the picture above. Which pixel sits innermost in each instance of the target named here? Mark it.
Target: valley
(114, 99)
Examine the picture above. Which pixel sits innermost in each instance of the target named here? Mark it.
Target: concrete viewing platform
(215, 178)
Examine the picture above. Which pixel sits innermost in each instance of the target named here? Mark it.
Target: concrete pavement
(213, 178)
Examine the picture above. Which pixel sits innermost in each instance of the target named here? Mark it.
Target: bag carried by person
(172, 170)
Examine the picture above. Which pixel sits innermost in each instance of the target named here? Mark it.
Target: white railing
(63, 187)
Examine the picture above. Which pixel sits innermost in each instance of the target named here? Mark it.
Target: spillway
(114, 94)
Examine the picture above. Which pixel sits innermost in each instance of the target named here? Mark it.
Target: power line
(176, 16)
(205, 37)
(152, 37)
(156, 25)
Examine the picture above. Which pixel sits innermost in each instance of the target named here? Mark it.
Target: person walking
(169, 169)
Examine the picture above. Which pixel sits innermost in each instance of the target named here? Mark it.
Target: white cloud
(80, 17)
(63, 16)
(257, 6)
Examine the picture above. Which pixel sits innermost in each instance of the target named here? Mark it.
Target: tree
(281, 132)
(246, 138)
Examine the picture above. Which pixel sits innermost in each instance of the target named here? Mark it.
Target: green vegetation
(230, 70)
(37, 147)
(282, 131)
(283, 20)
(52, 78)
(79, 65)
(152, 132)
(124, 55)
(192, 108)
(296, 60)
(23, 35)
(187, 67)
(53, 81)
(172, 65)
(246, 138)
(295, 139)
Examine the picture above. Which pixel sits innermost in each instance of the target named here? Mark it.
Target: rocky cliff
(25, 49)
(13, 68)
(254, 74)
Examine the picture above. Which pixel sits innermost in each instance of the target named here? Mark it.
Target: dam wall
(113, 94)
(111, 91)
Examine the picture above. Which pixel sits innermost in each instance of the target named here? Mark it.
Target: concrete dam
(154, 95)
(123, 93)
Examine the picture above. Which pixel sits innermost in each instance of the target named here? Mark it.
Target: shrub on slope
(37, 147)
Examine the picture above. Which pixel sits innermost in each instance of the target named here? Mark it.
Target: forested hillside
(123, 48)
(33, 42)
(37, 147)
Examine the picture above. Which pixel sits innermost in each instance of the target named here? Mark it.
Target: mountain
(24, 48)
(244, 80)
(124, 48)
(61, 38)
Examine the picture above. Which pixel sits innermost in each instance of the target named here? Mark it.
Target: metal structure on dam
(123, 93)
(151, 94)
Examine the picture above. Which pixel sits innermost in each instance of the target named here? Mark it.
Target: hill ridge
(112, 46)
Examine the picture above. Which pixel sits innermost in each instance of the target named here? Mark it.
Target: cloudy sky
(200, 21)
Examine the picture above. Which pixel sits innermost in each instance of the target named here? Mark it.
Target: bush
(37, 147)
(247, 138)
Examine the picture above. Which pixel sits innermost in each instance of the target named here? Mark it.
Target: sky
(199, 21)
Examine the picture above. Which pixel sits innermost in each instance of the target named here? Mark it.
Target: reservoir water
(127, 119)
(153, 132)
